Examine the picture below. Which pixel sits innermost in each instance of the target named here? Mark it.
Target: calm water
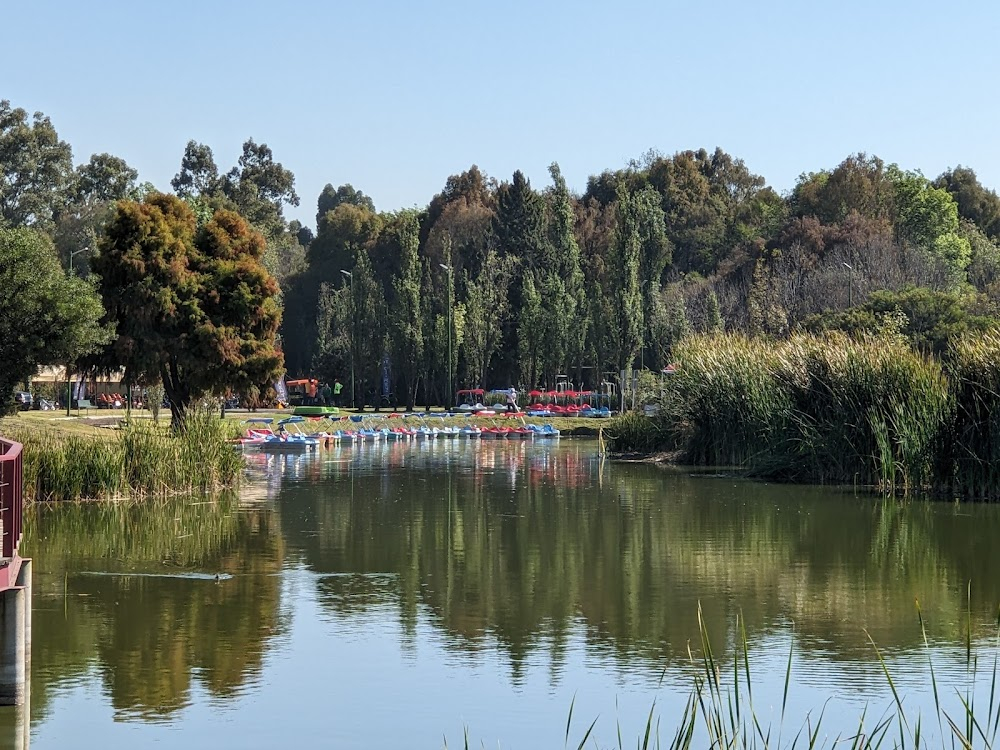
(393, 596)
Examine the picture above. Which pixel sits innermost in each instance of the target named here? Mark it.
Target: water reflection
(517, 542)
(453, 565)
(194, 599)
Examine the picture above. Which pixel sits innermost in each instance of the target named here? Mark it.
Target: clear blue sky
(395, 96)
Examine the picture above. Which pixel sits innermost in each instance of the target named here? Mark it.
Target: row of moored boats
(263, 434)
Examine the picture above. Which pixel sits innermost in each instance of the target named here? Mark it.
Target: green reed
(866, 411)
(140, 459)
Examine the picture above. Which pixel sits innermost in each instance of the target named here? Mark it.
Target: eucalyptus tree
(35, 168)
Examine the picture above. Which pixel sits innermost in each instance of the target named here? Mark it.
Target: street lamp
(354, 330)
(850, 284)
(451, 333)
(73, 254)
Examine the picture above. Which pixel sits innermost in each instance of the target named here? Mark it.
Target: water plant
(865, 410)
(138, 460)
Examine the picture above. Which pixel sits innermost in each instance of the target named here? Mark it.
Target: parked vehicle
(23, 399)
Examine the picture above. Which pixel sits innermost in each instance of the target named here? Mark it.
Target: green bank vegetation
(141, 459)
(866, 410)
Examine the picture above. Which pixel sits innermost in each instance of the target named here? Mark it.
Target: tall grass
(970, 448)
(867, 411)
(140, 460)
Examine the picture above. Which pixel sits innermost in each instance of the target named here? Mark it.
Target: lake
(401, 595)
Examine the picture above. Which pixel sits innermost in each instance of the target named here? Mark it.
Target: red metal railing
(11, 498)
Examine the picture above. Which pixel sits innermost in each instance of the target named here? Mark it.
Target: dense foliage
(46, 317)
(526, 286)
(865, 410)
(195, 308)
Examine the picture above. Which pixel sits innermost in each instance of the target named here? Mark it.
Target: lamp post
(354, 329)
(451, 334)
(850, 284)
(73, 254)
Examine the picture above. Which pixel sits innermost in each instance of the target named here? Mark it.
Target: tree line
(495, 282)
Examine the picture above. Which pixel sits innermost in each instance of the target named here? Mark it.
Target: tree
(927, 218)
(487, 307)
(406, 329)
(260, 186)
(104, 178)
(333, 333)
(199, 174)
(194, 307)
(931, 320)
(975, 202)
(330, 198)
(529, 330)
(626, 258)
(46, 317)
(564, 298)
(369, 340)
(35, 168)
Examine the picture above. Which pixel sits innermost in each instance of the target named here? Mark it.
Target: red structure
(11, 505)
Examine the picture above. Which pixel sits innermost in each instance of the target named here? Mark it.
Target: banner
(80, 390)
(386, 375)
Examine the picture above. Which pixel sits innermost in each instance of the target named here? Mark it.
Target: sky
(394, 96)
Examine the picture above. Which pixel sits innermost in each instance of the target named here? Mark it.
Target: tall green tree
(487, 309)
(35, 168)
(369, 337)
(626, 260)
(332, 357)
(104, 178)
(194, 307)
(406, 329)
(529, 331)
(46, 316)
(564, 297)
(260, 187)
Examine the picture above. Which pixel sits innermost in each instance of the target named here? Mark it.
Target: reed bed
(867, 411)
(970, 450)
(139, 460)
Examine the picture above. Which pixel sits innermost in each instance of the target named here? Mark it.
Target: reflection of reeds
(138, 460)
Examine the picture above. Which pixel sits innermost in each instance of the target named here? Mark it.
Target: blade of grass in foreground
(892, 687)
(569, 720)
(930, 662)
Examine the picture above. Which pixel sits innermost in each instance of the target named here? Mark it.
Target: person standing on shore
(511, 400)
(337, 388)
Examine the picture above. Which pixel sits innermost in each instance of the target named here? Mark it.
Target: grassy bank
(73, 460)
(867, 411)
